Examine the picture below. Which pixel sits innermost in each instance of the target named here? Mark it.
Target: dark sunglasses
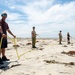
(4, 15)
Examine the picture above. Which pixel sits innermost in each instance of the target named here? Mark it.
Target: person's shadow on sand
(7, 65)
(3, 66)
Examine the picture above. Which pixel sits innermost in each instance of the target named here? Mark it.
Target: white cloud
(46, 17)
(52, 14)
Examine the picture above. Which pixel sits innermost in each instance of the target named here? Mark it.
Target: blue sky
(48, 16)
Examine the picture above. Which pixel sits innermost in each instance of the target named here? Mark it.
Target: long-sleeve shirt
(33, 34)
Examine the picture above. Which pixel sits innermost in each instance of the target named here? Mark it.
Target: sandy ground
(49, 58)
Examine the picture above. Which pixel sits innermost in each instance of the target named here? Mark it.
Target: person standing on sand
(60, 37)
(5, 28)
(68, 38)
(33, 33)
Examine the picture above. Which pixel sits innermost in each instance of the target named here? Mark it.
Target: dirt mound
(69, 53)
(16, 46)
(57, 62)
(28, 44)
